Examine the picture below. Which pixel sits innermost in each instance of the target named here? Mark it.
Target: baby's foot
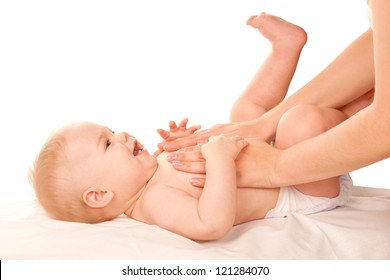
(281, 33)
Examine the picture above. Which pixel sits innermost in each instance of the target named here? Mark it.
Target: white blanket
(358, 230)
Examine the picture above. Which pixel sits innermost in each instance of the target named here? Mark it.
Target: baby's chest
(165, 182)
(169, 176)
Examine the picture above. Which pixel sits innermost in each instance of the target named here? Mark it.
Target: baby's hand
(222, 146)
(177, 131)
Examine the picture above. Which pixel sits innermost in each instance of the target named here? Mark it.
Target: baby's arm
(213, 214)
(218, 203)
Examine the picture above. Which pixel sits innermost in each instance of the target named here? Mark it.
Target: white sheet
(358, 230)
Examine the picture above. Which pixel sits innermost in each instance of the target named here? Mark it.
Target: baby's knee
(300, 123)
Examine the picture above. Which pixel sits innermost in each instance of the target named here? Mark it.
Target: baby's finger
(172, 125)
(183, 123)
(157, 153)
(242, 143)
(194, 128)
(163, 133)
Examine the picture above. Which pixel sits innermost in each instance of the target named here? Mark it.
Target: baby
(88, 173)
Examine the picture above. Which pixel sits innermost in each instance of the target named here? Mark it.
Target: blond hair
(55, 190)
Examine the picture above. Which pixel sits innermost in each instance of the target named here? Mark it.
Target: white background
(135, 65)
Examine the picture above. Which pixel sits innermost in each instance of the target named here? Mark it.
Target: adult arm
(361, 140)
(349, 76)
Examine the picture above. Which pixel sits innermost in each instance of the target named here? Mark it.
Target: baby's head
(88, 173)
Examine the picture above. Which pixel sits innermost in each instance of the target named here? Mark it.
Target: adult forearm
(358, 142)
(364, 138)
(349, 76)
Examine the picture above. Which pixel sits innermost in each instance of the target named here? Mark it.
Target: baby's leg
(303, 122)
(270, 84)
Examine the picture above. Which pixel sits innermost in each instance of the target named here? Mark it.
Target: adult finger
(190, 140)
(190, 154)
(198, 182)
(198, 167)
(177, 144)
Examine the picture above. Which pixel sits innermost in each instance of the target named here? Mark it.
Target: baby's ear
(97, 198)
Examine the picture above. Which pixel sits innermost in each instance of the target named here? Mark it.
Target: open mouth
(138, 148)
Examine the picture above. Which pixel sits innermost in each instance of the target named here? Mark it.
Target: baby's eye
(108, 143)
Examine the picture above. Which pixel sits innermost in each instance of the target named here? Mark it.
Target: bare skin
(356, 142)
(269, 87)
(170, 201)
(262, 94)
(122, 177)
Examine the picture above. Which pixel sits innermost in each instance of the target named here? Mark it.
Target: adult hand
(255, 164)
(191, 160)
(245, 129)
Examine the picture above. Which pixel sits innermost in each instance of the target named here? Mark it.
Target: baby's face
(97, 156)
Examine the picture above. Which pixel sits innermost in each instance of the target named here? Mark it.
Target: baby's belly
(252, 203)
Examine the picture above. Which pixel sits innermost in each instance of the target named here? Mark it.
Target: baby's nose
(124, 137)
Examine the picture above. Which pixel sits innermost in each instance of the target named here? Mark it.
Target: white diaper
(293, 201)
